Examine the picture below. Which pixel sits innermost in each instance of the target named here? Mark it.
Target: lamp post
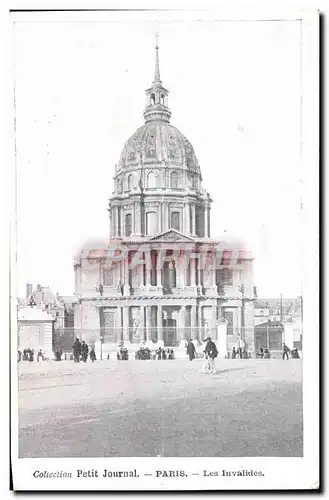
(241, 289)
(101, 339)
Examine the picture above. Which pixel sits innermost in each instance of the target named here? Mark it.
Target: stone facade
(161, 277)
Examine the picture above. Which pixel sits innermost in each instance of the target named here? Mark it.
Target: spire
(157, 66)
(157, 96)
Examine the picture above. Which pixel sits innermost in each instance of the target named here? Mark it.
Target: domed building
(161, 278)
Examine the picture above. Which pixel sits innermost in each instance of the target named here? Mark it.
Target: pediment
(172, 235)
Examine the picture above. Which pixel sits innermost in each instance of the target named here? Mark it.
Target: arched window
(162, 99)
(174, 180)
(119, 185)
(130, 181)
(128, 225)
(152, 99)
(174, 221)
(151, 223)
(151, 180)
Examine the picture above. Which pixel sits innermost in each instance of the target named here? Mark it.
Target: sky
(235, 93)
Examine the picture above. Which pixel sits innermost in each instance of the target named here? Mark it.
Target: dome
(155, 142)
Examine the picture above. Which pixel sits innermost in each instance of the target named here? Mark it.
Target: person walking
(233, 353)
(190, 350)
(261, 350)
(211, 353)
(286, 351)
(84, 351)
(76, 350)
(92, 354)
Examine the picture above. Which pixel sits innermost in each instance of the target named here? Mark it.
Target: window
(132, 156)
(224, 276)
(162, 99)
(151, 152)
(151, 180)
(108, 276)
(174, 221)
(128, 225)
(151, 223)
(228, 315)
(175, 180)
(130, 181)
(152, 99)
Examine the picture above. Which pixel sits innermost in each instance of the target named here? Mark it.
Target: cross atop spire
(157, 67)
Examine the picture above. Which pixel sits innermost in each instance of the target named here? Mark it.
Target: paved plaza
(160, 408)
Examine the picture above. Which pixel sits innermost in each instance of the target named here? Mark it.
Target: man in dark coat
(92, 354)
(76, 350)
(211, 353)
(261, 350)
(84, 351)
(286, 351)
(190, 350)
(233, 353)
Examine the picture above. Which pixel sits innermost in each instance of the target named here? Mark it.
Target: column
(159, 270)
(126, 324)
(213, 321)
(192, 272)
(186, 219)
(159, 323)
(194, 332)
(160, 217)
(142, 322)
(182, 323)
(148, 265)
(119, 325)
(133, 219)
(193, 220)
(206, 222)
(199, 337)
(148, 323)
(122, 222)
(117, 221)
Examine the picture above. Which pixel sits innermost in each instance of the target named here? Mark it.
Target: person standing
(261, 350)
(286, 351)
(211, 353)
(92, 354)
(190, 350)
(76, 350)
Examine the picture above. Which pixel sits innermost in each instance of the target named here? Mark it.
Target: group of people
(210, 353)
(122, 354)
(292, 352)
(28, 355)
(240, 353)
(264, 353)
(81, 350)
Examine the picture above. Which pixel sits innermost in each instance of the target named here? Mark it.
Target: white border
(280, 473)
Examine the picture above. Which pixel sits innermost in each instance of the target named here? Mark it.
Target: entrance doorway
(169, 329)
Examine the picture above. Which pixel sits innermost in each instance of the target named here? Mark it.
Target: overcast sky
(234, 93)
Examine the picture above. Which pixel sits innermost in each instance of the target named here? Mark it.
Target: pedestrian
(233, 353)
(92, 354)
(190, 350)
(31, 355)
(244, 354)
(286, 351)
(261, 350)
(77, 350)
(40, 355)
(211, 353)
(266, 353)
(163, 354)
(84, 351)
(159, 353)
